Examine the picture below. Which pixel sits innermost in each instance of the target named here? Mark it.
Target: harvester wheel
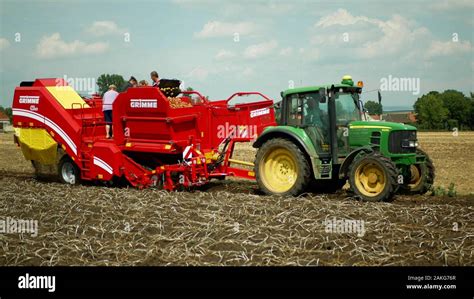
(282, 168)
(373, 177)
(422, 176)
(68, 171)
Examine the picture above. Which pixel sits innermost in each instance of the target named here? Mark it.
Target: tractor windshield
(347, 108)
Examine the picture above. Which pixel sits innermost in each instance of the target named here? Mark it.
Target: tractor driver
(313, 115)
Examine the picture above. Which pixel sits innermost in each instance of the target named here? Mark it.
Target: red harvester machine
(155, 142)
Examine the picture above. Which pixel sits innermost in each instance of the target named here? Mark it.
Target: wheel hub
(68, 173)
(279, 170)
(370, 179)
(415, 178)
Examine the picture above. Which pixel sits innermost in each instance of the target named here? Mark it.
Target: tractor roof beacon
(322, 140)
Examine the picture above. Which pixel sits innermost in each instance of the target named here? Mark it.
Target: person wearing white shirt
(107, 104)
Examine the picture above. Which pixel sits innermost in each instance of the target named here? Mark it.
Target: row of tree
(447, 110)
(105, 80)
(373, 108)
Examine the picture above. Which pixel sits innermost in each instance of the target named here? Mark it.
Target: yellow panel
(67, 97)
(38, 145)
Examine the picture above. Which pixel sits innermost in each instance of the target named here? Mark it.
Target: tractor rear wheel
(68, 171)
(281, 168)
(373, 177)
(422, 176)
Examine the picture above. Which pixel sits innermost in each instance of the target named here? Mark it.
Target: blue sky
(280, 43)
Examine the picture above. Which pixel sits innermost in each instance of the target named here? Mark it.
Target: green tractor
(323, 139)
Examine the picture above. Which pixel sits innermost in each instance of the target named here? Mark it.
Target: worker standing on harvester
(132, 82)
(155, 79)
(108, 101)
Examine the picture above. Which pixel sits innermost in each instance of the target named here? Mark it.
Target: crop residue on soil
(226, 223)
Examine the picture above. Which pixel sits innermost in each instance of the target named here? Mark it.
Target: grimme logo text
(29, 100)
(143, 103)
(259, 112)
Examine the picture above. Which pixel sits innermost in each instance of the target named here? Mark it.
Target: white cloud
(4, 43)
(393, 36)
(224, 54)
(53, 46)
(342, 17)
(259, 50)
(439, 48)
(222, 29)
(398, 35)
(286, 51)
(101, 28)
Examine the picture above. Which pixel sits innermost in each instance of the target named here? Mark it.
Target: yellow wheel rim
(370, 179)
(415, 179)
(278, 170)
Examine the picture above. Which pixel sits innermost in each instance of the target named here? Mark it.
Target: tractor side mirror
(322, 95)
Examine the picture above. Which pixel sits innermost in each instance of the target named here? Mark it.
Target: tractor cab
(324, 113)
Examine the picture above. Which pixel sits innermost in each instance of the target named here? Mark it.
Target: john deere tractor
(323, 140)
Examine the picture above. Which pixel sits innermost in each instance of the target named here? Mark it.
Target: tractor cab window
(305, 110)
(347, 109)
(295, 110)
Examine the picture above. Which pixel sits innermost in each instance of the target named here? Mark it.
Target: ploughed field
(229, 223)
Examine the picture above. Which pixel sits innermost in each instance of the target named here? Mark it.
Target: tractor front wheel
(421, 176)
(373, 177)
(281, 168)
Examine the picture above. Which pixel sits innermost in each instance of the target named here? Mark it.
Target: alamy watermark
(344, 226)
(237, 131)
(391, 83)
(19, 226)
(28, 281)
(84, 85)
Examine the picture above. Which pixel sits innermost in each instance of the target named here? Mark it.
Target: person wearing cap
(107, 104)
(155, 79)
(132, 82)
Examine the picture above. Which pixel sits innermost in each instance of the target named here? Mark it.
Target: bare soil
(230, 223)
